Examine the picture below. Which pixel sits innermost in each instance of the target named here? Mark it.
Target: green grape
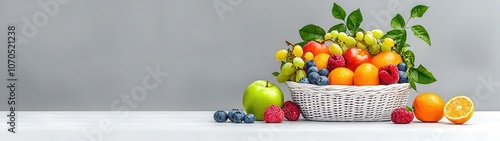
(282, 78)
(388, 42)
(281, 55)
(328, 36)
(292, 77)
(359, 36)
(308, 56)
(361, 45)
(350, 41)
(377, 33)
(383, 47)
(298, 62)
(344, 47)
(287, 68)
(334, 34)
(342, 36)
(370, 40)
(299, 74)
(335, 49)
(374, 49)
(297, 51)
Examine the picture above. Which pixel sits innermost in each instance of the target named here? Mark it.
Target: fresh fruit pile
(350, 55)
(272, 114)
(430, 108)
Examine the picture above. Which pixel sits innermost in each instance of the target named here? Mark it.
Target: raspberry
(388, 74)
(273, 114)
(291, 110)
(335, 61)
(402, 115)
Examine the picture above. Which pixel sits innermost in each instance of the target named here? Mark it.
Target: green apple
(259, 95)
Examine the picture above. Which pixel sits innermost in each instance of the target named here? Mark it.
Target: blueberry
(230, 114)
(220, 116)
(403, 78)
(249, 118)
(304, 80)
(312, 69)
(313, 77)
(323, 72)
(238, 116)
(323, 80)
(402, 67)
(310, 63)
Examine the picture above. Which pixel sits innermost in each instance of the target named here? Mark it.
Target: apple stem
(267, 84)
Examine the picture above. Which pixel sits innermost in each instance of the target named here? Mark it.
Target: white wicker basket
(348, 103)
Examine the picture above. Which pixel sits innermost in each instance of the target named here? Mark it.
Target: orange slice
(459, 109)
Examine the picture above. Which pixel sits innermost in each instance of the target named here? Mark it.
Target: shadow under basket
(348, 103)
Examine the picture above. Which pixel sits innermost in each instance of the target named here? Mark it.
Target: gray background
(93, 52)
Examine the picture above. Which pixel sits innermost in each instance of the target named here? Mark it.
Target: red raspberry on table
(273, 114)
(291, 110)
(388, 74)
(335, 61)
(402, 115)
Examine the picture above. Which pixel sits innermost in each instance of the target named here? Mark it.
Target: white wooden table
(199, 125)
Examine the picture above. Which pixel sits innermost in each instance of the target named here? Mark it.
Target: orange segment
(459, 109)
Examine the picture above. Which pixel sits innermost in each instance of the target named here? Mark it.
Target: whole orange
(321, 60)
(341, 76)
(366, 74)
(428, 107)
(385, 58)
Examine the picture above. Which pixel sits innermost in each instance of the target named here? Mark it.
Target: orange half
(459, 109)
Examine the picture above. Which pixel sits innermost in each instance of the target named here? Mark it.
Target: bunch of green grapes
(370, 40)
(293, 62)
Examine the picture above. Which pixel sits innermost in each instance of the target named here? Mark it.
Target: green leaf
(420, 32)
(393, 34)
(311, 32)
(418, 11)
(354, 20)
(359, 30)
(421, 75)
(398, 22)
(401, 42)
(339, 27)
(338, 12)
(408, 58)
(407, 45)
(276, 74)
(408, 109)
(413, 85)
(302, 43)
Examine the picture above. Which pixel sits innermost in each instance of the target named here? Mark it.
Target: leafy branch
(419, 74)
(351, 24)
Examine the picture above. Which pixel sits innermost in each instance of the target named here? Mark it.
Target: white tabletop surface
(199, 125)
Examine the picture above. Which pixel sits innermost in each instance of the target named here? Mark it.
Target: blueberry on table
(220, 116)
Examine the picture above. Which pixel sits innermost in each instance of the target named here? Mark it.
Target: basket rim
(288, 83)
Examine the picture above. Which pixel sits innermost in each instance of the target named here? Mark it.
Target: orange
(459, 109)
(341, 76)
(428, 107)
(321, 60)
(366, 74)
(385, 58)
